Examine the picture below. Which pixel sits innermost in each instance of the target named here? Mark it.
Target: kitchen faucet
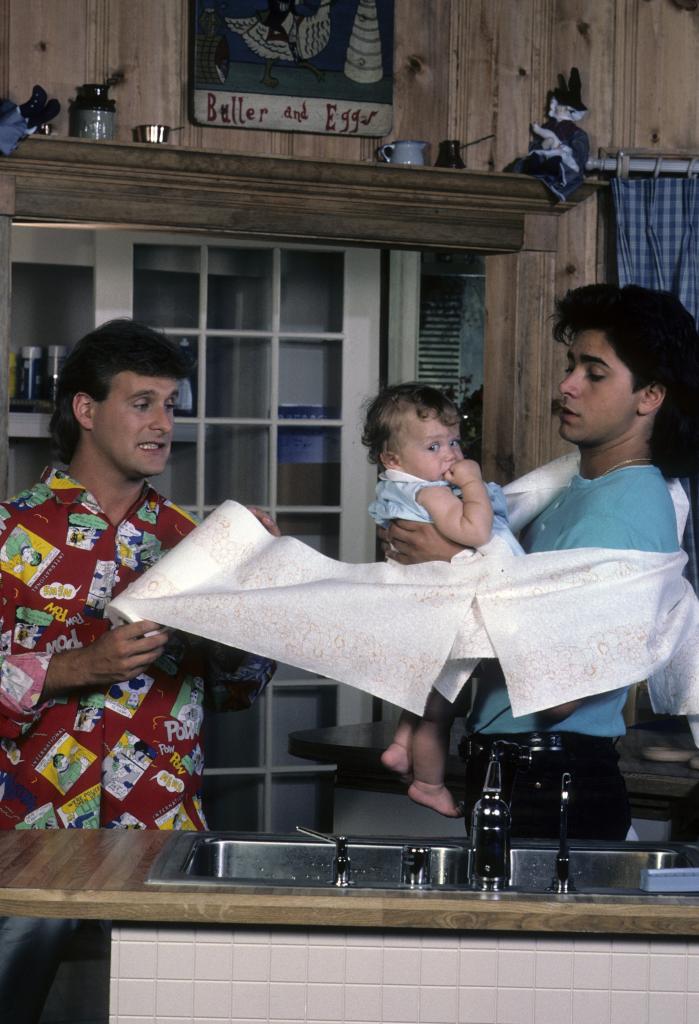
(561, 881)
(341, 860)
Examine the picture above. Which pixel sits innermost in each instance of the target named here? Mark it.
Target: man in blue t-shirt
(629, 400)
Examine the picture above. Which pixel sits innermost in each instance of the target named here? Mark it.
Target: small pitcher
(403, 151)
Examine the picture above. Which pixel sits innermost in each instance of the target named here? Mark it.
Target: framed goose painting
(323, 66)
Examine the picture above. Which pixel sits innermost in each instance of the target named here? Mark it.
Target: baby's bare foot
(397, 759)
(437, 797)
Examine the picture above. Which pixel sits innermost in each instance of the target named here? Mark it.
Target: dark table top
(657, 789)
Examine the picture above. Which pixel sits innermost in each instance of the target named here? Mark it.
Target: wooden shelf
(29, 424)
(279, 198)
(36, 425)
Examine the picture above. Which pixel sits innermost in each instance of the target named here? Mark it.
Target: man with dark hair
(99, 727)
(629, 401)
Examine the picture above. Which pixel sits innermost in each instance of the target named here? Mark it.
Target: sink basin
(251, 859)
(239, 859)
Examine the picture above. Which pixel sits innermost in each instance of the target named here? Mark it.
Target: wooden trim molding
(279, 198)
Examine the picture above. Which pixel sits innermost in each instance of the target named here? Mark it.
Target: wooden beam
(279, 198)
(519, 367)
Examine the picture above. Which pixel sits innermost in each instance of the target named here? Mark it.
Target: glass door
(286, 348)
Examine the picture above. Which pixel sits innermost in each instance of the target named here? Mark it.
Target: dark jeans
(598, 807)
(31, 951)
(31, 948)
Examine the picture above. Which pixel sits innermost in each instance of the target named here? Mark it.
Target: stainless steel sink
(250, 859)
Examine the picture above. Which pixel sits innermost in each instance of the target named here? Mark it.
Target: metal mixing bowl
(152, 132)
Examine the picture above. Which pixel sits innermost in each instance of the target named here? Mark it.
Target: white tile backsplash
(174, 998)
(553, 1006)
(515, 1006)
(591, 970)
(213, 961)
(629, 1008)
(325, 1002)
(668, 973)
(591, 1006)
(212, 999)
(176, 975)
(327, 964)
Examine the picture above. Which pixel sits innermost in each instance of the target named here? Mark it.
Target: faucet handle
(341, 860)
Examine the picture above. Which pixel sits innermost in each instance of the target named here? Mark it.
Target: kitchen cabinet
(284, 345)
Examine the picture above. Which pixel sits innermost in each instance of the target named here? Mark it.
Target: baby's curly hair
(383, 414)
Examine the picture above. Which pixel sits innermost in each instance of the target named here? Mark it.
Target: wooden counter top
(101, 874)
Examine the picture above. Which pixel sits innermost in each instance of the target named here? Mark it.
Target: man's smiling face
(129, 433)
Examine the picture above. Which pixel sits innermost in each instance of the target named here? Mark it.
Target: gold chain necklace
(626, 462)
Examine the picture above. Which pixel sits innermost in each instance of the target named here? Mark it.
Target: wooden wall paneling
(543, 69)
(144, 42)
(499, 40)
(583, 34)
(47, 43)
(649, 107)
(5, 91)
(518, 368)
(623, 77)
(667, 104)
(579, 261)
(517, 33)
(480, 83)
(421, 66)
(98, 55)
(577, 255)
(457, 113)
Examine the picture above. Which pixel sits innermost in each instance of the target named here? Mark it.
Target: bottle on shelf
(31, 373)
(55, 359)
(186, 404)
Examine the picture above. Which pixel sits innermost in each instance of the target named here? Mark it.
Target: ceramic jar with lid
(93, 113)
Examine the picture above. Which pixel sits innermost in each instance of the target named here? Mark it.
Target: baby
(412, 430)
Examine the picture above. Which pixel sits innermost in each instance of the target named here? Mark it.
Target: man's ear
(389, 460)
(83, 409)
(652, 397)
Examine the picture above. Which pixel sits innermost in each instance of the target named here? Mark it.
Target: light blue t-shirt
(631, 508)
(396, 498)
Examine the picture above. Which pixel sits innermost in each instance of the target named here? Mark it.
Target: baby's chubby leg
(398, 755)
(430, 748)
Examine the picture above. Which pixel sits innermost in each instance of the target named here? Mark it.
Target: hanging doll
(559, 153)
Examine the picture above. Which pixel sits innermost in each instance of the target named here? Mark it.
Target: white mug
(404, 151)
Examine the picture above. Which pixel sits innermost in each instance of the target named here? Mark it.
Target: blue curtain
(658, 247)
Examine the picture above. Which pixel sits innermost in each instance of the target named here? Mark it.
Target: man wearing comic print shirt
(99, 726)
(112, 755)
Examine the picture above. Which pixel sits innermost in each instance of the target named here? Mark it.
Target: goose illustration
(282, 34)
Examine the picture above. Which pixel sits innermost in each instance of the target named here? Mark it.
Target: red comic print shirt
(125, 756)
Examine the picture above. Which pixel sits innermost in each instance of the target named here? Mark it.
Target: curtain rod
(623, 164)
